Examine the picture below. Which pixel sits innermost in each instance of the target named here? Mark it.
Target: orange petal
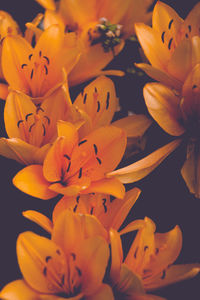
(15, 53)
(160, 76)
(164, 107)
(3, 91)
(190, 169)
(116, 256)
(152, 45)
(117, 210)
(135, 225)
(184, 58)
(143, 167)
(39, 219)
(30, 180)
(42, 262)
(47, 4)
(93, 59)
(74, 186)
(104, 292)
(134, 125)
(110, 186)
(99, 101)
(174, 273)
(18, 290)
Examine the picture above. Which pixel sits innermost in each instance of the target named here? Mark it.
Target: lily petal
(116, 255)
(3, 91)
(31, 180)
(41, 261)
(18, 290)
(47, 4)
(143, 167)
(39, 219)
(164, 107)
(104, 292)
(110, 186)
(174, 273)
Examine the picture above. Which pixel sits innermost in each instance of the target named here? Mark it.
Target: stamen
(156, 251)
(190, 28)
(170, 43)
(33, 41)
(104, 205)
(28, 115)
(77, 199)
(82, 142)
(98, 106)
(24, 65)
(80, 173)
(194, 86)
(44, 130)
(48, 258)
(79, 271)
(40, 53)
(84, 99)
(75, 208)
(69, 165)
(170, 23)
(46, 69)
(19, 122)
(63, 279)
(31, 74)
(47, 59)
(135, 254)
(30, 56)
(186, 35)
(67, 156)
(48, 120)
(91, 211)
(30, 128)
(95, 89)
(58, 252)
(45, 271)
(163, 36)
(107, 100)
(98, 159)
(163, 275)
(145, 248)
(73, 256)
(95, 149)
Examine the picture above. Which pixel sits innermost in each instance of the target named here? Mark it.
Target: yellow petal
(30, 180)
(160, 76)
(174, 273)
(42, 263)
(99, 101)
(18, 290)
(47, 4)
(39, 219)
(15, 53)
(164, 107)
(110, 186)
(94, 255)
(190, 169)
(18, 150)
(143, 167)
(104, 292)
(116, 255)
(117, 210)
(152, 45)
(134, 125)
(3, 91)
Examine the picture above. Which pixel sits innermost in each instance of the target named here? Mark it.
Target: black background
(164, 197)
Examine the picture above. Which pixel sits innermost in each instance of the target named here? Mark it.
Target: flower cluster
(71, 147)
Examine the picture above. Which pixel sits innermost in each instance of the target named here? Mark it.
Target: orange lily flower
(150, 257)
(70, 265)
(7, 27)
(101, 29)
(171, 45)
(72, 166)
(37, 71)
(31, 129)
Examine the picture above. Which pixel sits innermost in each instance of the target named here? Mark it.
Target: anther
(73, 256)
(40, 53)
(163, 275)
(46, 69)
(84, 99)
(82, 142)
(45, 271)
(163, 36)
(75, 208)
(67, 156)
(48, 120)
(170, 23)
(48, 258)
(77, 199)
(145, 248)
(44, 130)
(98, 159)
(79, 271)
(170, 43)
(24, 65)
(98, 106)
(28, 115)
(107, 100)
(30, 128)
(19, 122)
(30, 56)
(104, 205)
(80, 173)
(69, 165)
(95, 89)
(95, 149)
(91, 211)
(31, 74)
(135, 254)
(47, 59)
(190, 28)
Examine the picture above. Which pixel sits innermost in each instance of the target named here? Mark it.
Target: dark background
(164, 197)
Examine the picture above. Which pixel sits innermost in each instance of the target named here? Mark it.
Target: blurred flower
(72, 166)
(171, 45)
(70, 265)
(7, 27)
